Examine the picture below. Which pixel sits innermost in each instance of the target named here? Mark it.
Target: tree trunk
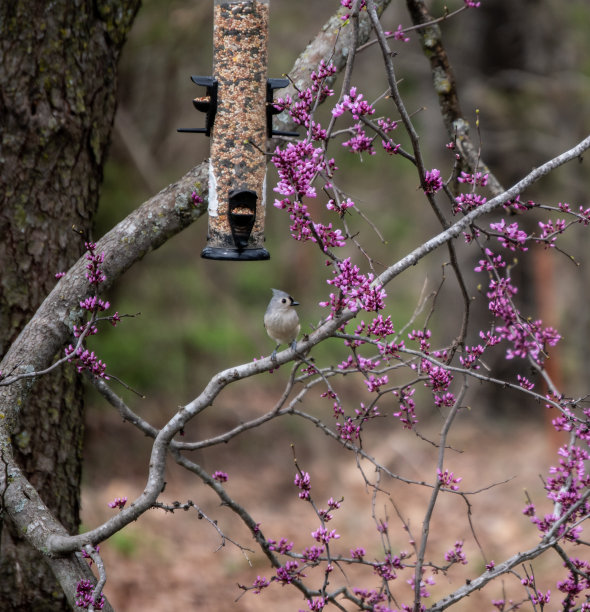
(58, 67)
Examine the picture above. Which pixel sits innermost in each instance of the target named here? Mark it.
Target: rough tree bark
(58, 68)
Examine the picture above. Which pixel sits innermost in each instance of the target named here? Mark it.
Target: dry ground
(176, 562)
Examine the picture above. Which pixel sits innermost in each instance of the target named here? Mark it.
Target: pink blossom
(456, 554)
(399, 34)
(449, 480)
(357, 290)
(432, 181)
(118, 502)
(354, 103)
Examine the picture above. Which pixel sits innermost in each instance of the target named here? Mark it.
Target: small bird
(281, 320)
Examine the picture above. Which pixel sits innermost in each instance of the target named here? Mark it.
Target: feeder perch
(238, 104)
(206, 104)
(242, 214)
(271, 85)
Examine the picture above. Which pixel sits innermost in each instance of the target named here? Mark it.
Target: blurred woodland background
(525, 66)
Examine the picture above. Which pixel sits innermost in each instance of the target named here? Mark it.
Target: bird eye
(284, 301)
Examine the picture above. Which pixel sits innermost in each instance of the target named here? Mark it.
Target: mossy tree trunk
(58, 69)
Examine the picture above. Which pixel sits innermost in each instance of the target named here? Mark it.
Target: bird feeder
(238, 103)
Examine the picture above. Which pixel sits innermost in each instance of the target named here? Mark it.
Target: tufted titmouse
(281, 320)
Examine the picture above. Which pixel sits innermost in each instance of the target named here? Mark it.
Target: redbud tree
(404, 369)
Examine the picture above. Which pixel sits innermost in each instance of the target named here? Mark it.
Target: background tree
(58, 69)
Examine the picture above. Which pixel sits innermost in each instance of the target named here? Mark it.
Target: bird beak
(294, 303)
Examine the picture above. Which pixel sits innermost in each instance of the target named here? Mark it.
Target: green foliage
(126, 542)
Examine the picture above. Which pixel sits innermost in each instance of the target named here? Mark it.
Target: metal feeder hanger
(239, 107)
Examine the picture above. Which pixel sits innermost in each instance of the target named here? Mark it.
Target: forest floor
(175, 561)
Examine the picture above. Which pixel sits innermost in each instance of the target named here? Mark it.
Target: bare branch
(445, 87)
(332, 44)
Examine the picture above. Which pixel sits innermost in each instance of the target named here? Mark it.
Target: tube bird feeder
(238, 107)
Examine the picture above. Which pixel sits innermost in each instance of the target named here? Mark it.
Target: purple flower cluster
(527, 338)
(423, 338)
(448, 480)
(511, 237)
(289, 572)
(492, 262)
(387, 568)
(380, 327)
(196, 198)
(303, 482)
(85, 359)
(327, 236)
(550, 230)
(358, 553)
(303, 228)
(349, 430)
(94, 305)
(283, 546)
(456, 554)
(432, 181)
(360, 142)
(84, 590)
(407, 407)
(477, 179)
(423, 584)
(388, 125)
(301, 111)
(439, 378)
(583, 215)
(118, 502)
(578, 580)
(567, 489)
(354, 103)
(348, 4)
(259, 584)
(375, 383)
(468, 201)
(315, 604)
(569, 480)
(87, 556)
(362, 364)
(351, 427)
(324, 514)
(370, 598)
(298, 164)
(469, 360)
(524, 382)
(356, 290)
(400, 34)
(323, 536)
(312, 554)
(94, 272)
